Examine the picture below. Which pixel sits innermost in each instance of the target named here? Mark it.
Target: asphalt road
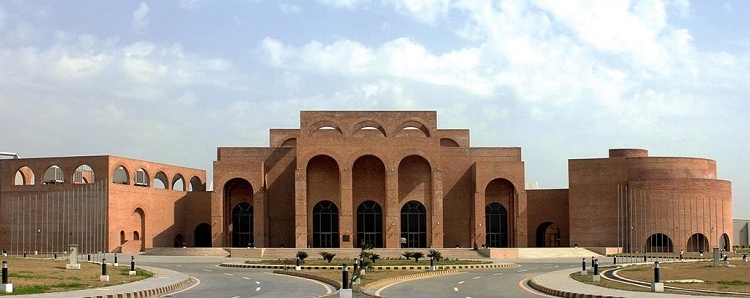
(501, 282)
(215, 281)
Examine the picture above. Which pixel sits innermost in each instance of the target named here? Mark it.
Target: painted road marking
(257, 289)
(455, 289)
(478, 277)
(461, 282)
(496, 274)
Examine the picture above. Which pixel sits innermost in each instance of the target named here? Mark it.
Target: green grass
(733, 282)
(24, 290)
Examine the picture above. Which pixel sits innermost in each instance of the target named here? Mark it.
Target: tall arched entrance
(202, 235)
(496, 225)
(242, 225)
(414, 224)
(141, 235)
(325, 225)
(238, 191)
(370, 224)
(502, 192)
(548, 235)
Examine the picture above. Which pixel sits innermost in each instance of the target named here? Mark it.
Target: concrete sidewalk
(164, 281)
(559, 283)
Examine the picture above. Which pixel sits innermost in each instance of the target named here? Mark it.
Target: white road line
(245, 277)
(257, 282)
(455, 289)
(461, 282)
(477, 277)
(206, 270)
(197, 282)
(236, 297)
(523, 270)
(228, 274)
(496, 274)
(257, 289)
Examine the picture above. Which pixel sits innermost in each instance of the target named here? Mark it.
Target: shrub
(408, 255)
(302, 255)
(373, 257)
(434, 254)
(417, 255)
(327, 255)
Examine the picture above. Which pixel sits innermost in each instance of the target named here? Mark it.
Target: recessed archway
(698, 243)
(325, 225)
(414, 224)
(496, 225)
(659, 243)
(548, 235)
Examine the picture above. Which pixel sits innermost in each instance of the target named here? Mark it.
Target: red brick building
(390, 179)
(102, 203)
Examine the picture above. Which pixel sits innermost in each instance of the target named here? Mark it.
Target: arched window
(659, 243)
(414, 224)
(325, 224)
(242, 225)
(369, 224)
(496, 225)
(547, 235)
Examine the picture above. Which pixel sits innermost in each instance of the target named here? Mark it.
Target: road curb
(374, 268)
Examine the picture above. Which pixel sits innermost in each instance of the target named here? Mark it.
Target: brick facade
(343, 177)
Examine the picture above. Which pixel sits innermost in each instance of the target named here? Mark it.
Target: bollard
(24, 254)
(88, 257)
(596, 276)
(615, 260)
(104, 276)
(432, 263)
(345, 277)
(657, 285)
(583, 266)
(6, 287)
(592, 262)
(55, 255)
(132, 266)
(5, 272)
(644, 258)
(115, 263)
(356, 265)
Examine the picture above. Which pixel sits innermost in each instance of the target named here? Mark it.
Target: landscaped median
(36, 274)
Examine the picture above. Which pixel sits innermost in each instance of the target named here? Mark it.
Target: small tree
(435, 255)
(302, 255)
(408, 255)
(327, 255)
(417, 255)
(373, 257)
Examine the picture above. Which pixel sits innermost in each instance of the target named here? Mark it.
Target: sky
(170, 81)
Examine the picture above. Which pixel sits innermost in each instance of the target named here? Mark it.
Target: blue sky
(170, 81)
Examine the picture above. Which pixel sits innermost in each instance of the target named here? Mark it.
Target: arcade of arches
(394, 179)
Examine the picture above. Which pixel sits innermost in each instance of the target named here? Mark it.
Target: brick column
(345, 209)
(436, 209)
(478, 235)
(300, 208)
(392, 216)
(260, 239)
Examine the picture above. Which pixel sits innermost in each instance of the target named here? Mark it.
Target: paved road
(501, 282)
(215, 281)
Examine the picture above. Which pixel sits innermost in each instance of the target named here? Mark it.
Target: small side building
(102, 203)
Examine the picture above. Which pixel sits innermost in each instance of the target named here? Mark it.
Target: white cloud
(343, 3)
(139, 22)
(189, 4)
(290, 8)
(400, 58)
(427, 11)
